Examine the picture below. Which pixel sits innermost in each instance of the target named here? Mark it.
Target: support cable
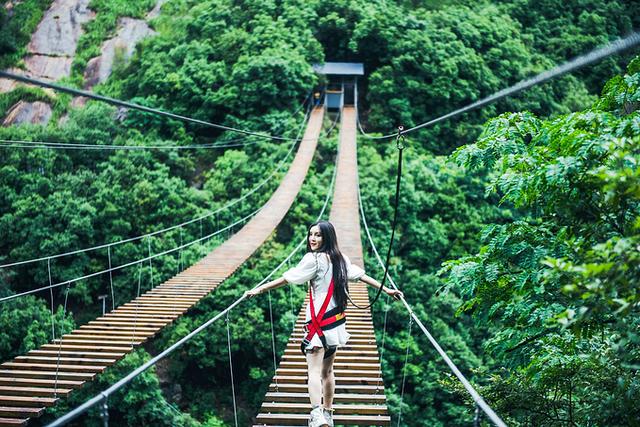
(131, 105)
(151, 265)
(467, 385)
(233, 387)
(135, 322)
(273, 342)
(384, 336)
(15, 143)
(333, 125)
(73, 414)
(400, 145)
(113, 298)
(120, 267)
(615, 47)
(64, 315)
(53, 319)
(404, 371)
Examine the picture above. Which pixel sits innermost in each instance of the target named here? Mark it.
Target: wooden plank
(337, 372)
(340, 409)
(33, 391)
(114, 334)
(91, 341)
(31, 382)
(9, 422)
(65, 360)
(301, 419)
(302, 379)
(20, 412)
(143, 330)
(74, 376)
(93, 347)
(19, 401)
(52, 367)
(337, 365)
(340, 388)
(338, 398)
(76, 353)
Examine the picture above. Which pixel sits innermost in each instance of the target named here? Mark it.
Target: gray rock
(7, 85)
(155, 12)
(48, 67)
(28, 112)
(61, 27)
(130, 32)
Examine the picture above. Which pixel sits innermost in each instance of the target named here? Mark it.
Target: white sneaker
(317, 418)
(328, 414)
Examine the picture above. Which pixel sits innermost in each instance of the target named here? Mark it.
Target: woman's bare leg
(328, 380)
(315, 366)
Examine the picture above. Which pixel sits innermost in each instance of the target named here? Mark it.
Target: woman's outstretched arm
(395, 293)
(267, 286)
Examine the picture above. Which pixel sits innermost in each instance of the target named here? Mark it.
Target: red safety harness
(328, 320)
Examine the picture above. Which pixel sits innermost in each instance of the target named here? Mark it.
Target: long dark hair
(330, 247)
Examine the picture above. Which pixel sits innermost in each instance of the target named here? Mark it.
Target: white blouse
(317, 268)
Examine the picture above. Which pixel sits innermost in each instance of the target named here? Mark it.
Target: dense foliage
(536, 222)
(18, 20)
(560, 286)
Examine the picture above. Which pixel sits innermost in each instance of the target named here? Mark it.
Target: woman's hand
(395, 293)
(253, 292)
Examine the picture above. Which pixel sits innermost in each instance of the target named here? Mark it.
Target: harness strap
(323, 308)
(327, 320)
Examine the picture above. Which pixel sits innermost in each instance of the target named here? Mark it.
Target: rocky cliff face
(37, 112)
(130, 32)
(53, 46)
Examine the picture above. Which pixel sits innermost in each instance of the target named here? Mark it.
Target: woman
(328, 272)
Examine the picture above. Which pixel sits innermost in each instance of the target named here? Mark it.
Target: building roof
(340, 68)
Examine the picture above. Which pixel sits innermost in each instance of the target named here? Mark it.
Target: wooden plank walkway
(30, 383)
(359, 398)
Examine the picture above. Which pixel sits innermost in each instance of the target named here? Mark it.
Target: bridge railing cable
(164, 230)
(102, 397)
(467, 385)
(133, 106)
(129, 264)
(59, 145)
(595, 55)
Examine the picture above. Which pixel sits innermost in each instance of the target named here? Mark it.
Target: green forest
(518, 242)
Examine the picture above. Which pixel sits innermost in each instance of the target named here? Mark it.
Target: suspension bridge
(32, 382)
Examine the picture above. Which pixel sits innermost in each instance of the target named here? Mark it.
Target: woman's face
(315, 238)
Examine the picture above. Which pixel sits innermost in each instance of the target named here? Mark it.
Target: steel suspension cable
(135, 323)
(273, 341)
(595, 55)
(103, 396)
(131, 105)
(467, 385)
(394, 223)
(404, 370)
(11, 143)
(143, 236)
(64, 315)
(233, 387)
